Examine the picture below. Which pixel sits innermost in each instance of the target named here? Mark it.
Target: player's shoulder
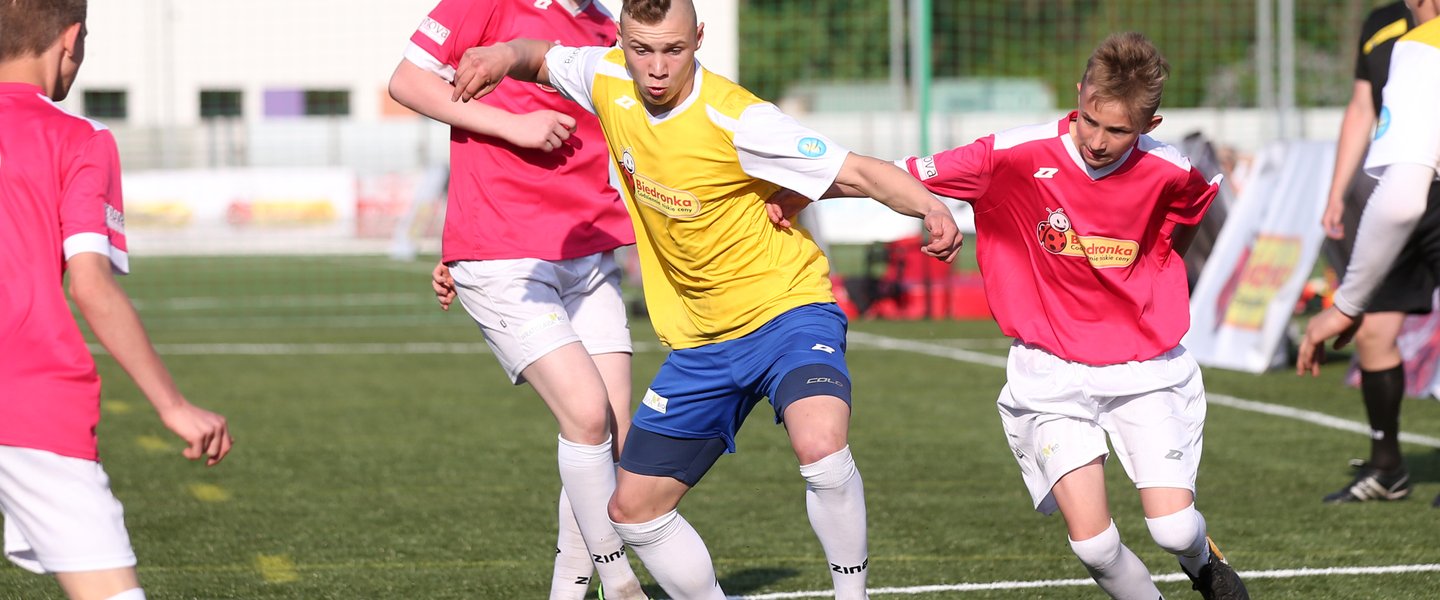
(1427, 34)
(1025, 134)
(55, 118)
(730, 99)
(1167, 155)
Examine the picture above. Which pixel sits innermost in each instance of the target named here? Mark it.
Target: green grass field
(381, 454)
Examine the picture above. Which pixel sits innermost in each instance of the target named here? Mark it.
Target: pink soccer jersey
(1077, 261)
(511, 202)
(59, 196)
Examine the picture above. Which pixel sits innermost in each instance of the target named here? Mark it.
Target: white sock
(1118, 571)
(1182, 533)
(835, 500)
(675, 556)
(573, 569)
(130, 594)
(588, 475)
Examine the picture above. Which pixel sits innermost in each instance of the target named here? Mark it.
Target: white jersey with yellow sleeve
(1405, 156)
(695, 180)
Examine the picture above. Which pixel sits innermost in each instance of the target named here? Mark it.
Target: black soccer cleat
(1217, 580)
(1373, 484)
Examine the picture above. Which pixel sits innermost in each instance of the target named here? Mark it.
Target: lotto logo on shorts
(655, 401)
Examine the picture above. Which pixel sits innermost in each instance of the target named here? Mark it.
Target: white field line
(367, 348)
(991, 360)
(248, 302)
(1053, 583)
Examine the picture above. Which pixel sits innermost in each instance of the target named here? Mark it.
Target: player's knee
(644, 533)
(1181, 532)
(830, 472)
(1101, 551)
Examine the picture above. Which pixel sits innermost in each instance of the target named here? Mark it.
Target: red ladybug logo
(1054, 232)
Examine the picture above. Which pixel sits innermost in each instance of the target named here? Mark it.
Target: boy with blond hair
(1081, 225)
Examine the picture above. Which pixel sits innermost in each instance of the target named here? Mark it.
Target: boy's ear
(70, 39)
(1154, 122)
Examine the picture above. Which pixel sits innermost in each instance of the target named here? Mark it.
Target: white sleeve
(422, 58)
(1409, 127)
(777, 148)
(1389, 219)
(572, 72)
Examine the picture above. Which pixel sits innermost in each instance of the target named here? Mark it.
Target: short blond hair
(1127, 68)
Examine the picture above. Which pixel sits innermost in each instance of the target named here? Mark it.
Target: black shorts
(1410, 286)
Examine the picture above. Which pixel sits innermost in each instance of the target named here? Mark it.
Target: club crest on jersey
(1384, 124)
(811, 147)
(1057, 236)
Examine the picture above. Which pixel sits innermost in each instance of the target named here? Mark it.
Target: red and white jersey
(511, 202)
(1077, 261)
(59, 196)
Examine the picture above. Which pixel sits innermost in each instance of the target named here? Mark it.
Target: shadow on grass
(1424, 465)
(751, 580)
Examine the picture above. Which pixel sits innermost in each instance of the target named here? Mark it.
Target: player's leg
(518, 306)
(1159, 437)
(569, 382)
(834, 491)
(1081, 499)
(645, 511)
(570, 579)
(110, 584)
(1061, 451)
(798, 361)
(1382, 388)
(62, 519)
(687, 419)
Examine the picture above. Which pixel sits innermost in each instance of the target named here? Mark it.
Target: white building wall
(162, 53)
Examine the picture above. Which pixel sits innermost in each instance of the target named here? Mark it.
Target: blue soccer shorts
(701, 396)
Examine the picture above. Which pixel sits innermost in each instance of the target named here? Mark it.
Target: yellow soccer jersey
(695, 180)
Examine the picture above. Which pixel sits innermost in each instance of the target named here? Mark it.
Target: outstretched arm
(113, 319)
(483, 68)
(428, 94)
(863, 176)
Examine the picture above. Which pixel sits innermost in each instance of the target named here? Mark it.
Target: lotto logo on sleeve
(434, 30)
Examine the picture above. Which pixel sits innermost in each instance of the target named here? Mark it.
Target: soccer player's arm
(773, 146)
(422, 83)
(1188, 207)
(92, 224)
(1405, 155)
(1355, 129)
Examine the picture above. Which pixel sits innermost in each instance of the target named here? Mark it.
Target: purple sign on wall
(284, 103)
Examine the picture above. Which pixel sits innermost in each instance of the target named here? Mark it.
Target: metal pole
(897, 71)
(1265, 61)
(920, 18)
(1287, 116)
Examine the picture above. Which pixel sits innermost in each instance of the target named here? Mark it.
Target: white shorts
(1057, 414)
(528, 307)
(60, 516)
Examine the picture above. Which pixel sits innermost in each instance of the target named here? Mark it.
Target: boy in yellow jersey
(745, 305)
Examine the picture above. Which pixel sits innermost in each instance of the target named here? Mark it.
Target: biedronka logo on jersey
(1056, 237)
(676, 204)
